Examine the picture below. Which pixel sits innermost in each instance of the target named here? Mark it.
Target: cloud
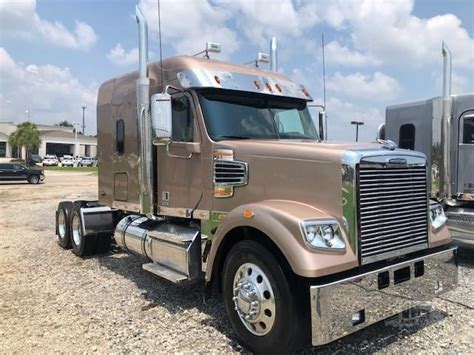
(341, 113)
(389, 32)
(119, 56)
(357, 85)
(50, 93)
(338, 55)
(260, 20)
(20, 19)
(188, 24)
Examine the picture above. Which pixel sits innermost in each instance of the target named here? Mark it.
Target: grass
(84, 169)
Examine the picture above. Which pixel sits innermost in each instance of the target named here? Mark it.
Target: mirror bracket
(168, 153)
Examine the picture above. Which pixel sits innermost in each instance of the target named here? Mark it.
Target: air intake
(230, 173)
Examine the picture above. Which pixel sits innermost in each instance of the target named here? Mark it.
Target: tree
(26, 135)
(64, 123)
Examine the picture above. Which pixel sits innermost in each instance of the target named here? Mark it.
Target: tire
(278, 325)
(34, 179)
(82, 245)
(63, 220)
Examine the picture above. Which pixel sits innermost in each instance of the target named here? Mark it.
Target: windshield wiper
(231, 137)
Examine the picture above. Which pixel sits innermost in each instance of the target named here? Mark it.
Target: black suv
(15, 171)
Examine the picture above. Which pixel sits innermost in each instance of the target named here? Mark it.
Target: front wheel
(34, 179)
(262, 307)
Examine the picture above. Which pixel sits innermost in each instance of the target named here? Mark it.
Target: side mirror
(161, 116)
(322, 125)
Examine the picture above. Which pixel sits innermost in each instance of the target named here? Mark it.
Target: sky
(54, 54)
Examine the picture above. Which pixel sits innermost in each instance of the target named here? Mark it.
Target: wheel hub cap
(253, 299)
(61, 225)
(76, 230)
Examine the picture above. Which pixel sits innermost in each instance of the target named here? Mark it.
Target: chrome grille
(230, 173)
(393, 212)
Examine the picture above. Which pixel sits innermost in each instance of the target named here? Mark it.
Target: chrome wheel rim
(62, 224)
(34, 179)
(76, 230)
(254, 300)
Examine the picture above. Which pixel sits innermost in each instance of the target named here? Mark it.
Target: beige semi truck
(217, 172)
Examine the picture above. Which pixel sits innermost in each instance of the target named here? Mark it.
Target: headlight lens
(437, 216)
(323, 234)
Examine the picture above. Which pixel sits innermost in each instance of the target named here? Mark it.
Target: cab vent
(230, 173)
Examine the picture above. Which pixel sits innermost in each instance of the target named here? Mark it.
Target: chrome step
(166, 273)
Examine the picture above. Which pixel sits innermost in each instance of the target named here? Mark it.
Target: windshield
(237, 115)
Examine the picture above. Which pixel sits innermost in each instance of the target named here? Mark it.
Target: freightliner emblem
(398, 161)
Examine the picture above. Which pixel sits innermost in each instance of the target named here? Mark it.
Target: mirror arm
(168, 153)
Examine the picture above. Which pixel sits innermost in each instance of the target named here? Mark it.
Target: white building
(54, 140)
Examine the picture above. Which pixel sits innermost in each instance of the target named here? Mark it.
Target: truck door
(7, 172)
(179, 163)
(19, 172)
(465, 170)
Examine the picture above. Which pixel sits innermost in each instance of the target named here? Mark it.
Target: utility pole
(27, 115)
(84, 119)
(357, 124)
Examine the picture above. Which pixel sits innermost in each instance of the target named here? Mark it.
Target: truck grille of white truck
(393, 213)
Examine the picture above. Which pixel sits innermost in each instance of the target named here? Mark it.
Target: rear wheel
(263, 309)
(82, 245)
(33, 179)
(63, 224)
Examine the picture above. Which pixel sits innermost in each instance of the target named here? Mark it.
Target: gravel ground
(52, 301)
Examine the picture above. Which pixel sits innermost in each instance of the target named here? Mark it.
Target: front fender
(279, 221)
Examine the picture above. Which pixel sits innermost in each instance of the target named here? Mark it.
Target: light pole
(84, 119)
(76, 125)
(357, 124)
(27, 115)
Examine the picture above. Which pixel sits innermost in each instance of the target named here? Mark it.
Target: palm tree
(26, 135)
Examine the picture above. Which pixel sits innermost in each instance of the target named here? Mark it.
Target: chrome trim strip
(125, 206)
(203, 78)
(333, 304)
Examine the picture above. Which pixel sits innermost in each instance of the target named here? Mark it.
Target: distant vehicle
(86, 161)
(14, 171)
(50, 160)
(68, 161)
(94, 161)
(34, 159)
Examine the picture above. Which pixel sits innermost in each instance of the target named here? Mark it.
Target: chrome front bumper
(345, 306)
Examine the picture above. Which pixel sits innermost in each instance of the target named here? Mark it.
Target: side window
(120, 137)
(3, 149)
(468, 130)
(6, 166)
(182, 116)
(407, 136)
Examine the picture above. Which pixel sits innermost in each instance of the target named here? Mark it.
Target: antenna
(161, 50)
(324, 71)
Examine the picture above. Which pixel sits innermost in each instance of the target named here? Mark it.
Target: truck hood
(302, 171)
(295, 149)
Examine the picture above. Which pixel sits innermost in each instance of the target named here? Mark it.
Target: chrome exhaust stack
(144, 119)
(273, 55)
(446, 122)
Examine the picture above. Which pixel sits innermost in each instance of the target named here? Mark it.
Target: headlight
(437, 216)
(323, 234)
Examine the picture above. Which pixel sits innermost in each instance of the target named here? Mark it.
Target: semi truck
(443, 129)
(216, 172)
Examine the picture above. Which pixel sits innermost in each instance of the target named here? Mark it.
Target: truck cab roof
(185, 72)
